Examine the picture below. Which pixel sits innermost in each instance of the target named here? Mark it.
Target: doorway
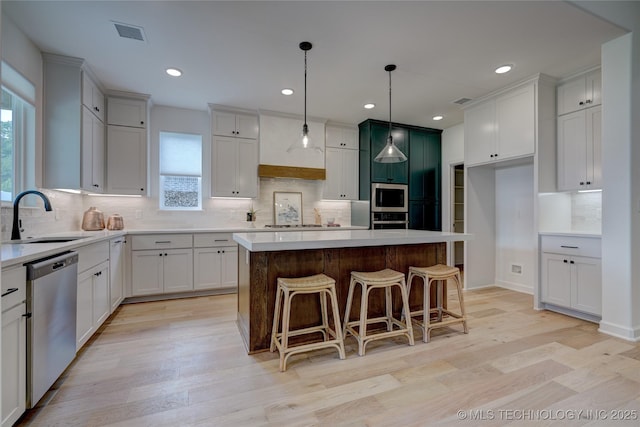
(457, 212)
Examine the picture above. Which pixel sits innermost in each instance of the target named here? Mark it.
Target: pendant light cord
(305, 87)
(390, 105)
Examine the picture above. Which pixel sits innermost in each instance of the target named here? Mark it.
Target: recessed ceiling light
(369, 106)
(173, 72)
(438, 117)
(504, 69)
(287, 91)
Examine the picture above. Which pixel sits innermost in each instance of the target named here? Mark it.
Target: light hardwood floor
(182, 363)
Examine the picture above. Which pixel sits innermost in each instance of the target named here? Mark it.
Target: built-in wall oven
(389, 206)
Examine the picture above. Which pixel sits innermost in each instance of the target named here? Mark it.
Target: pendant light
(304, 142)
(390, 153)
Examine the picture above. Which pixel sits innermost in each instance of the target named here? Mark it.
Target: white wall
(516, 232)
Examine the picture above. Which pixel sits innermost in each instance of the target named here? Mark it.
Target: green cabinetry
(422, 172)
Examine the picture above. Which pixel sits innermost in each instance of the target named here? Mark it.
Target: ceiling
(243, 53)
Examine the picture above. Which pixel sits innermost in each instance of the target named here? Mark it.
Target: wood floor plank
(183, 363)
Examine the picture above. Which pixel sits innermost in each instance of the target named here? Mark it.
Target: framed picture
(287, 208)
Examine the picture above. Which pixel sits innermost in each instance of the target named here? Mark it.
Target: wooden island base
(258, 272)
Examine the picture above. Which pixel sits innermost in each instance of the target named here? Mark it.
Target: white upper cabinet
(580, 92)
(127, 112)
(580, 133)
(127, 145)
(501, 127)
(235, 124)
(341, 137)
(342, 163)
(92, 97)
(73, 155)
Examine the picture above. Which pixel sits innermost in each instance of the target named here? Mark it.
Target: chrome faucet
(15, 231)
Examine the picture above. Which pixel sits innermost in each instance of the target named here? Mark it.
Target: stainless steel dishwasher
(51, 327)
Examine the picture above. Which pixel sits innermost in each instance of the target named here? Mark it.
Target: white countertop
(570, 234)
(19, 252)
(282, 241)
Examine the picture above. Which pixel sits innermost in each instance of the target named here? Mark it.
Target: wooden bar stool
(437, 273)
(321, 284)
(368, 281)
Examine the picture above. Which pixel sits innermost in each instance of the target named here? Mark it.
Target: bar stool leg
(409, 281)
(347, 311)
(336, 320)
(364, 300)
(461, 302)
(276, 320)
(285, 329)
(388, 307)
(439, 293)
(323, 310)
(405, 304)
(426, 319)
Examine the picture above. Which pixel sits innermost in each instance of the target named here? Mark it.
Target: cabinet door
(480, 133)
(116, 272)
(14, 358)
(126, 160)
(247, 168)
(247, 126)
(556, 279)
(341, 137)
(424, 165)
(101, 301)
(98, 156)
(515, 120)
(594, 88)
(178, 270)
(225, 161)
(86, 169)
(224, 123)
(571, 96)
(127, 112)
(586, 287)
(207, 268)
(594, 147)
(334, 167)
(350, 174)
(572, 151)
(229, 271)
(84, 308)
(146, 272)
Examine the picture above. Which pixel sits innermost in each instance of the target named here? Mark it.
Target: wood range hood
(276, 171)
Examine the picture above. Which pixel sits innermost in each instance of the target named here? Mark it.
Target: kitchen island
(263, 257)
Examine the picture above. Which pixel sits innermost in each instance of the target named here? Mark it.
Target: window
(17, 134)
(180, 171)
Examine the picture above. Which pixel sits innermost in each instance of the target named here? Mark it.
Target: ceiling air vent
(128, 31)
(462, 101)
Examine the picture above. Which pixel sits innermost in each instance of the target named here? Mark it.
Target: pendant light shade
(305, 142)
(390, 153)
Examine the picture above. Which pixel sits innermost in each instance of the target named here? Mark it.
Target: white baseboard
(518, 287)
(619, 331)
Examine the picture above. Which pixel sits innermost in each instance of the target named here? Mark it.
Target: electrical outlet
(57, 213)
(138, 214)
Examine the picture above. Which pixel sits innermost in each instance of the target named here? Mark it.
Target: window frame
(161, 195)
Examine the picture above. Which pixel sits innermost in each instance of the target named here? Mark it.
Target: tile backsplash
(143, 212)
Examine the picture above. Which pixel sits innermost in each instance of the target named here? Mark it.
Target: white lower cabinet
(94, 302)
(94, 305)
(215, 268)
(116, 271)
(14, 345)
(572, 273)
(161, 264)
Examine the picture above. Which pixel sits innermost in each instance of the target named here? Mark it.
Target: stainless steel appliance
(51, 327)
(389, 220)
(389, 197)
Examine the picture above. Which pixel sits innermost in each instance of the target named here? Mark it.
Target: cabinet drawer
(14, 278)
(571, 245)
(162, 241)
(207, 240)
(91, 255)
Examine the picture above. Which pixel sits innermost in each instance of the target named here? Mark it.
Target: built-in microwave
(389, 197)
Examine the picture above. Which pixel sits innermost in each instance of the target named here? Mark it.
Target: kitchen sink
(42, 240)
